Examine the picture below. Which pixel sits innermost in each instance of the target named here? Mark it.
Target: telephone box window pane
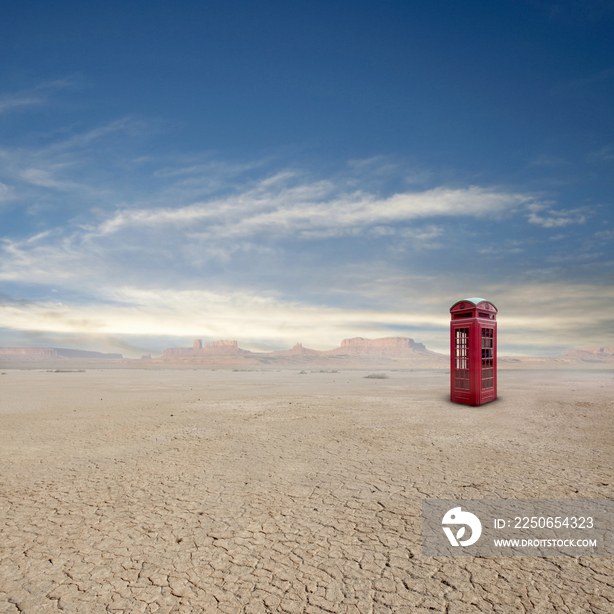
(461, 357)
(487, 358)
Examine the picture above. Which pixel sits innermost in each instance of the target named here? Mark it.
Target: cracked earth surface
(255, 492)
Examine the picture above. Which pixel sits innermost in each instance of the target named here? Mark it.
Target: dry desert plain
(218, 491)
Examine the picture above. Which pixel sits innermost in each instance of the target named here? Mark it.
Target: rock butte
(200, 349)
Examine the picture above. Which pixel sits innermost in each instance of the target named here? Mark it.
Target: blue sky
(275, 172)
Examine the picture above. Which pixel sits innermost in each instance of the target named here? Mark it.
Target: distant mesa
(53, 353)
(582, 357)
(591, 354)
(206, 349)
(146, 357)
(386, 346)
(86, 354)
(297, 349)
(28, 353)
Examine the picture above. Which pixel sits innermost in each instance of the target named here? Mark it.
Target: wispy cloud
(74, 163)
(79, 140)
(548, 161)
(274, 206)
(542, 215)
(285, 206)
(605, 154)
(605, 236)
(549, 313)
(45, 179)
(11, 103)
(35, 96)
(6, 193)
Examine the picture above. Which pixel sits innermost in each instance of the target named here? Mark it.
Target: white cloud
(314, 210)
(548, 315)
(44, 178)
(283, 206)
(237, 315)
(552, 218)
(45, 258)
(605, 235)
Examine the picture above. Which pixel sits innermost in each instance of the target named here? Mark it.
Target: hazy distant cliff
(24, 353)
(591, 354)
(53, 353)
(354, 353)
(206, 349)
(386, 346)
(297, 349)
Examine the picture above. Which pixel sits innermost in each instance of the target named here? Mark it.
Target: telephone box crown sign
(469, 303)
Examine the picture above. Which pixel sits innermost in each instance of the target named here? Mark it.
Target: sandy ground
(216, 491)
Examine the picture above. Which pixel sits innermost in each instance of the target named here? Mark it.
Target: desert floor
(219, 491)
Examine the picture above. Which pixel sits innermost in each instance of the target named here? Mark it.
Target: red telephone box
(473, 351)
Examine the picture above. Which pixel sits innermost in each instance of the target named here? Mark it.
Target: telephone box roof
(475, 300)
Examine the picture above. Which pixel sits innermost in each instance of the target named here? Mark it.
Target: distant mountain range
(355, 353)
(591, 354)
(387, 346)
(27, 354)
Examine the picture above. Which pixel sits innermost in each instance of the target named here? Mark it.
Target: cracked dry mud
(210, 491)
